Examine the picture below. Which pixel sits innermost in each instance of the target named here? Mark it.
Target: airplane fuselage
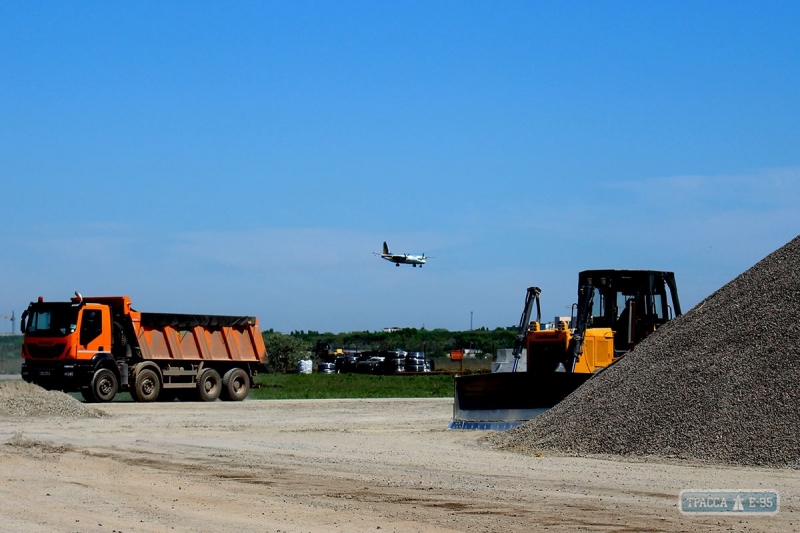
(405, 259)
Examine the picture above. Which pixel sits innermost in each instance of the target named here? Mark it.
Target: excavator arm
(531, 298)
(585, 300)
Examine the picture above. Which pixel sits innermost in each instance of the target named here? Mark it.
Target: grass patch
(321, 386)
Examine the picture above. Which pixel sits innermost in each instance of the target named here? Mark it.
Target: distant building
(391, 329)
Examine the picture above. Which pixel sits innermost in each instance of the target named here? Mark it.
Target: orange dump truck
(100, 346)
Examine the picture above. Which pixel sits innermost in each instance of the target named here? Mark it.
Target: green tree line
(286, 349)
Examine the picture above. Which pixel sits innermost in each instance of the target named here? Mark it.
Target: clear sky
(248, 157)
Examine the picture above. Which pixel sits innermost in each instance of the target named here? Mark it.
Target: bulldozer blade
(503, 400)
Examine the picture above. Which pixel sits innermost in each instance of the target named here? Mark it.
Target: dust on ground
(335, 466)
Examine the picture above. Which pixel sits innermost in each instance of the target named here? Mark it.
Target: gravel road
(333, 466)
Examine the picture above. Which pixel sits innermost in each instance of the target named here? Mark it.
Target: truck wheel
(209, 386)
(147, 386)
(235, 385)
(119, 342)
(87, 394)
(104, 385)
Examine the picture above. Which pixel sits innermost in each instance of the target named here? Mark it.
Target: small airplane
(406, 259)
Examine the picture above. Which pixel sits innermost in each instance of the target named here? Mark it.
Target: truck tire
(103, 387)
(118, 337)
(120, 346)
(209, 386)
(235, 385)
(147, 386)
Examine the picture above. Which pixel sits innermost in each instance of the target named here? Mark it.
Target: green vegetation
(436, 342)
(10, 358)
(286, 350)
(307, 386)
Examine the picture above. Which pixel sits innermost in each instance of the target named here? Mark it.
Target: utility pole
(470, 320)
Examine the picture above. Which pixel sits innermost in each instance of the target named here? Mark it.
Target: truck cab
(66, 343)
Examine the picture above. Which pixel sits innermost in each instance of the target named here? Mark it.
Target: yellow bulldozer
(616, 309)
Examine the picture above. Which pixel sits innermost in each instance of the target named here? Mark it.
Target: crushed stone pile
(720, 383)
(21, 399)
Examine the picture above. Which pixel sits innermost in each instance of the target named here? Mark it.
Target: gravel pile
(720, 383)
(21, 399)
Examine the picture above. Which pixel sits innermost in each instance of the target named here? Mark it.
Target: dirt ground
(334, 466)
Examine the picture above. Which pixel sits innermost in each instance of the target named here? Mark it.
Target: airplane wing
(393, 257)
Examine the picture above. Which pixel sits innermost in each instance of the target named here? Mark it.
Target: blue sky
(247, 157)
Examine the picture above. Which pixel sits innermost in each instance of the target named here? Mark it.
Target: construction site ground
(335, 466)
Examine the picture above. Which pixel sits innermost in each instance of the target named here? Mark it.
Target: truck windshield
(51, 320)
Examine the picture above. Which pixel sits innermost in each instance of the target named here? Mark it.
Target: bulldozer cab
(633, 303)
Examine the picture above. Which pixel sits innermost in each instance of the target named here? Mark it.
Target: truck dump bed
(198, 337)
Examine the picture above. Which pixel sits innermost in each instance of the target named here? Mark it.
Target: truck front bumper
(68, 376)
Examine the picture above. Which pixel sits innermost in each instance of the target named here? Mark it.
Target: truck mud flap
(503, 400)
